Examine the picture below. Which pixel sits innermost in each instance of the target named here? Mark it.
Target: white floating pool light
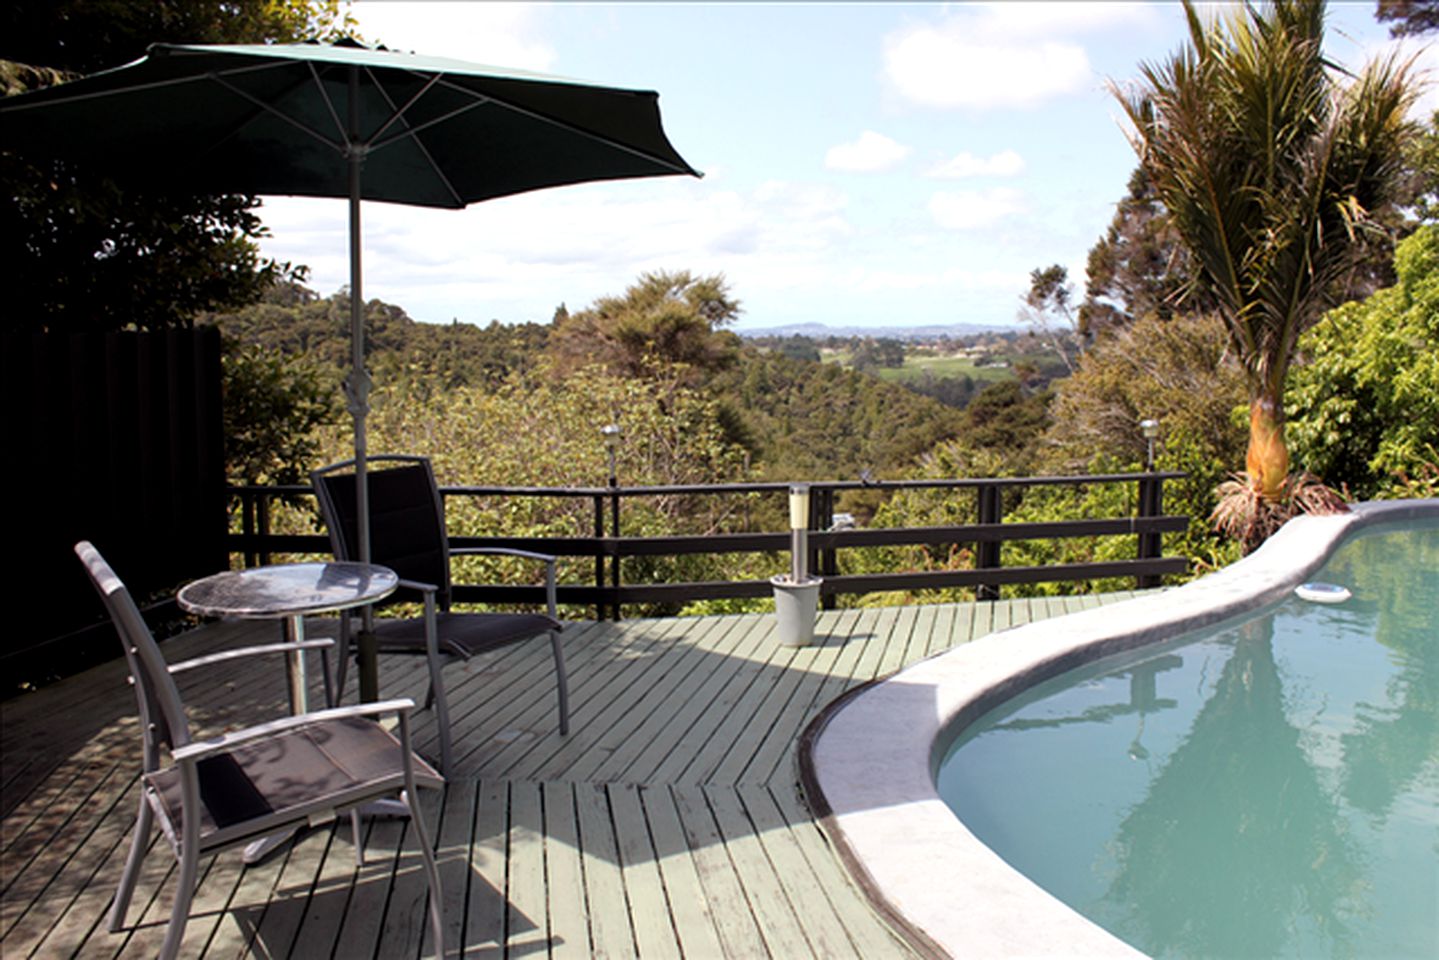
(1317, 592)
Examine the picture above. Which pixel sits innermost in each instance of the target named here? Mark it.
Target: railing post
(1151, 545)
(264, 522)
(615, 559)
(247, 526)
(599, 557)
(987, 554)
(827, 560)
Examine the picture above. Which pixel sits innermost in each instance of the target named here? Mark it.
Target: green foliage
(668, 321)
(83, 36)
(84, 251)
(1364, 408)
(1007, 420)
(825, 422)
(876, 352)
(273, 406)
(424, 357)
(1175, 371)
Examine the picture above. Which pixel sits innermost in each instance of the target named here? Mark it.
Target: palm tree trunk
(1267, 460)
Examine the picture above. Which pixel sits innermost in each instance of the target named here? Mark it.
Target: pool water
(1265, 788)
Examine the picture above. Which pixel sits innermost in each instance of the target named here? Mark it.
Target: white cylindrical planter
(795, 606)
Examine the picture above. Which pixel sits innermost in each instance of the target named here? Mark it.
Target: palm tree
(1271, 168)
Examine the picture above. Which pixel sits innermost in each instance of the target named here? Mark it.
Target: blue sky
(874, 164)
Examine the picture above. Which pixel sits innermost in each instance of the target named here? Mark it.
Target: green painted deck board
(667, 823)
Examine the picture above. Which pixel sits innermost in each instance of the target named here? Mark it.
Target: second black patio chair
(408, 535)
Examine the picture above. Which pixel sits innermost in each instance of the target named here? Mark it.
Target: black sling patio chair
(252, 783)
(408, 535)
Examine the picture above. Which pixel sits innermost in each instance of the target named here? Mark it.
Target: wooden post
(1151, 545)
(987, 556)
(264, 522)
(247, 527)
(599, 556)
(828, 559)
(615, 559)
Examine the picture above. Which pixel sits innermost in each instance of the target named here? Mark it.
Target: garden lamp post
(1150, 429)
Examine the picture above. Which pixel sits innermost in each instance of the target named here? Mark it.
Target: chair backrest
(407, 519)
(162, 713)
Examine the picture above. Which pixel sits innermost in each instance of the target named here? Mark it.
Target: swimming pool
(1265, 788)
(870, 762)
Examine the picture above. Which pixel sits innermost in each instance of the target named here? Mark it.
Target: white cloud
(871, 153)
(972, 209)
(940, 67)
(499, 34)
(1003, 55)
(1006, 163)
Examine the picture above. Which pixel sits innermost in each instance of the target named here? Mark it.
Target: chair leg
(562, 686)
(357, 838)
(189, 864)
(432, 872)
(442, 718)
(143, 821)
(437, 683)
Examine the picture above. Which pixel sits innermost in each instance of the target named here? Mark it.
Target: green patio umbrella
(343, 120)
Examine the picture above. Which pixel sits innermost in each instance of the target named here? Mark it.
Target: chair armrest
(506, 551)
(203, 748)
(239, 652)
(550, 589)
(417, 585)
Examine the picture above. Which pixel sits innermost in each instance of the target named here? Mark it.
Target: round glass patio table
(289, 592)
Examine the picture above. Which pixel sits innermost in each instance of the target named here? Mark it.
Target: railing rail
(608, 546)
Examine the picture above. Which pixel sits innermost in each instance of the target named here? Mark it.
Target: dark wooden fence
(115, 438)
(607, 546)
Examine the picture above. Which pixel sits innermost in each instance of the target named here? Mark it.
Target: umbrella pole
(358, 394)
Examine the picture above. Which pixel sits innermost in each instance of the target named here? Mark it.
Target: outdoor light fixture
(611, 434)
(1150, 429)
(799, 532)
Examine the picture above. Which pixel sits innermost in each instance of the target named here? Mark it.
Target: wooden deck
(667, 824)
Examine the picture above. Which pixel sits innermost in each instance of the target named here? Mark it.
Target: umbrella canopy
(286, 119)
(343, 120)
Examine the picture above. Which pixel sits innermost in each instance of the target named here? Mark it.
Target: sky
(865, 164)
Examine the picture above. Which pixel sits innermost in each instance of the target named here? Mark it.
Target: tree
(671, 319)
(1410, 17)
(85, 251)
(1138, 269)
(1269, 168)
(1048, 306)
(876, 352)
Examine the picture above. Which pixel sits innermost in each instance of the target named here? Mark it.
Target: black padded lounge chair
(408, 535)
(252, 783)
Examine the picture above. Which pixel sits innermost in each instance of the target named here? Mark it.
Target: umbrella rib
(334, 145)
(397, 114)
(412, 131)
(623, 147)
(58, 99)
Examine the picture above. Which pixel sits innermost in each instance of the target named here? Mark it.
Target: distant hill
(921, 332)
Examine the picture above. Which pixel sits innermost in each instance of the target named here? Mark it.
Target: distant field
(915, 366)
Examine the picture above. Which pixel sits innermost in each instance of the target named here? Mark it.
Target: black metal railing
(608, 546)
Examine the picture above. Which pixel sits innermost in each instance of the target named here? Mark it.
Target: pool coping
(867, 762)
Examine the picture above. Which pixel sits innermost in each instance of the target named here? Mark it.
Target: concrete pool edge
(867, 763)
